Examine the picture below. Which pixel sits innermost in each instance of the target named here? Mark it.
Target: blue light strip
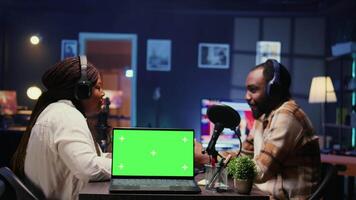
(353, 139)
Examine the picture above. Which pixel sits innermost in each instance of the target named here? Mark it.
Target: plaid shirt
(286, 153)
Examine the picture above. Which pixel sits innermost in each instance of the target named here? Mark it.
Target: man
(282, 141)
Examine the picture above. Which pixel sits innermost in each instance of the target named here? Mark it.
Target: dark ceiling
(316, 7)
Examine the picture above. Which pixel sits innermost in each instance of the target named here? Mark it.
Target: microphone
(222, 116)
(102, 126)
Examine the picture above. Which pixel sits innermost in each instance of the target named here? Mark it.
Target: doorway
(115, 55)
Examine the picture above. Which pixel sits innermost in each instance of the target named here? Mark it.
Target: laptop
(150, 160)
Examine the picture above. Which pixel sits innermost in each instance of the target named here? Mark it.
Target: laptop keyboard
(153, 182)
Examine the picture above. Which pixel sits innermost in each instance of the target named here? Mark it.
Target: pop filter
(224, 115)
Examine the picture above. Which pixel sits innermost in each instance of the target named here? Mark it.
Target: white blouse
(61, 156)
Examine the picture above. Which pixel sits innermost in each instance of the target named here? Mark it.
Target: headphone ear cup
(273, 89)
(83, 87)
(83, 90)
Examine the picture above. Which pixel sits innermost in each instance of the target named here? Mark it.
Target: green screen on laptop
(153, 152)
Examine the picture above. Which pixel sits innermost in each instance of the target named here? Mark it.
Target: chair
(2, 188)
(330, 172)
(14, 188)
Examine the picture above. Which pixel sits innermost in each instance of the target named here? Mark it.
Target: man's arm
(278, 143)
(200, 159)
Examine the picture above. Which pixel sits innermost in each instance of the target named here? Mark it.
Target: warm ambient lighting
(322, 90)
(35, 39)
(129, 73)
(34, 92)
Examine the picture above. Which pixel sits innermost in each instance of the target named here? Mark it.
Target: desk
(100, 190)
(350, 172)
(348, 161)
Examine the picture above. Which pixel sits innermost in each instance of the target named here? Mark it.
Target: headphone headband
(275, 80)
(276, 67)
(83, 67)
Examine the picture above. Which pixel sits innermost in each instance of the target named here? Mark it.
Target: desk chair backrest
(329, 173)
(2, 188)
(14, 188)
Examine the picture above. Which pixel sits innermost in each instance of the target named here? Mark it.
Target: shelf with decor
(331, 125)
(341, 117)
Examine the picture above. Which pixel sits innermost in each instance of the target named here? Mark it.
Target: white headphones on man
(274, 82)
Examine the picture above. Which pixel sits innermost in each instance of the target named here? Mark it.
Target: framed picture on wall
(215, 56)
(69, 48)
(8, 102)
(266, 50)
(158, 55)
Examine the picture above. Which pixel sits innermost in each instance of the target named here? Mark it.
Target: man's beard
(262, 107)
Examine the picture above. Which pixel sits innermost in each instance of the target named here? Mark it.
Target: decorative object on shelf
(322, 91)
(351, 84)
(341, 116)
(344, 48)
(353, 119)
(244, 171)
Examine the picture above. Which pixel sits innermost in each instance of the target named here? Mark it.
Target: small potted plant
(243, 170)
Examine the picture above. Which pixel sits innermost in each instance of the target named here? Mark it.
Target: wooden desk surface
(100, 190)
(348, 161)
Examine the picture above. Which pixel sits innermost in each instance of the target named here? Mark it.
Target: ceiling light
(35, 39)
(34, 92)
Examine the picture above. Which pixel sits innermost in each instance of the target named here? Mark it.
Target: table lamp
(322, 91)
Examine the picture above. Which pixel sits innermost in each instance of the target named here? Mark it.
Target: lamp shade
(322, 90)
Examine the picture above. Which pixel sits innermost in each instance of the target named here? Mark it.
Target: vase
(243, 186)
(221, 181)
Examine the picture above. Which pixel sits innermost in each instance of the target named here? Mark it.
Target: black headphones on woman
(83, 87)
(274, 82)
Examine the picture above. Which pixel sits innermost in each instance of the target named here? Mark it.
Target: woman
(57, 152)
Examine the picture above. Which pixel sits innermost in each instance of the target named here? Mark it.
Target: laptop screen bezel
(151, 177)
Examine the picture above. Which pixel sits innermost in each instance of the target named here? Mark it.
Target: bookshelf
(341, 117)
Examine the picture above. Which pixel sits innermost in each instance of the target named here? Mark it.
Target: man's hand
(225, 154)
(199, 158)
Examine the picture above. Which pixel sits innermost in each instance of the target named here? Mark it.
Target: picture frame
(214, 55)
(69, 48)
(158, 55)
(267, 50)
(8, 102)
